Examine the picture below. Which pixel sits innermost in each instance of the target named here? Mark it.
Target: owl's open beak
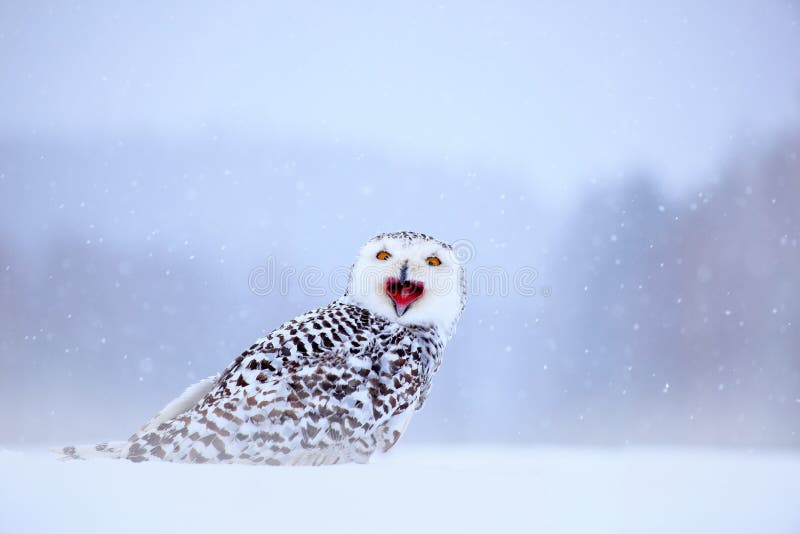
(403, 293)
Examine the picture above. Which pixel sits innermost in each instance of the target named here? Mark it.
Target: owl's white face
(409, 278)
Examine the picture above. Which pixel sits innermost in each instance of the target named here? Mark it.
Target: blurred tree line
(683, 312)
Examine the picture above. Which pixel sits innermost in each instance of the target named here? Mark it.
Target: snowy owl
(333, 385)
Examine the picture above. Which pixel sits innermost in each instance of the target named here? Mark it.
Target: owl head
(409, 278)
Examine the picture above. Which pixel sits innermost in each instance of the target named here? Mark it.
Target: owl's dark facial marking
(403, 293)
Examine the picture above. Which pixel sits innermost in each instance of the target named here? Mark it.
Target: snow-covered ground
(435, 489)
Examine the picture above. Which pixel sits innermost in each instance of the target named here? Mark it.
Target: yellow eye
(383, 255)
(434, 261)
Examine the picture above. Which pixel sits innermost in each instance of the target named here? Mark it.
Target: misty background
(642, 158)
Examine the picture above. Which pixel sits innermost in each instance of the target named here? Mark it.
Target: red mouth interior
(403, 293)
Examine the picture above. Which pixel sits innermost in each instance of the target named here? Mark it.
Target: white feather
(184, 402)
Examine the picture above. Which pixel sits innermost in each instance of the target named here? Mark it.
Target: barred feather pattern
(333, 385)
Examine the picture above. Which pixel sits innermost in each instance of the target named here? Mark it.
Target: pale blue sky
(557, 92)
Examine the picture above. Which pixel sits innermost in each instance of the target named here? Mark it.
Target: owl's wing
(308, 414)
(316, 336)
(274, 392)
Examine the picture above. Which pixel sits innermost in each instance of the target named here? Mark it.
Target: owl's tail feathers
(112, 449)
(119, 449)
